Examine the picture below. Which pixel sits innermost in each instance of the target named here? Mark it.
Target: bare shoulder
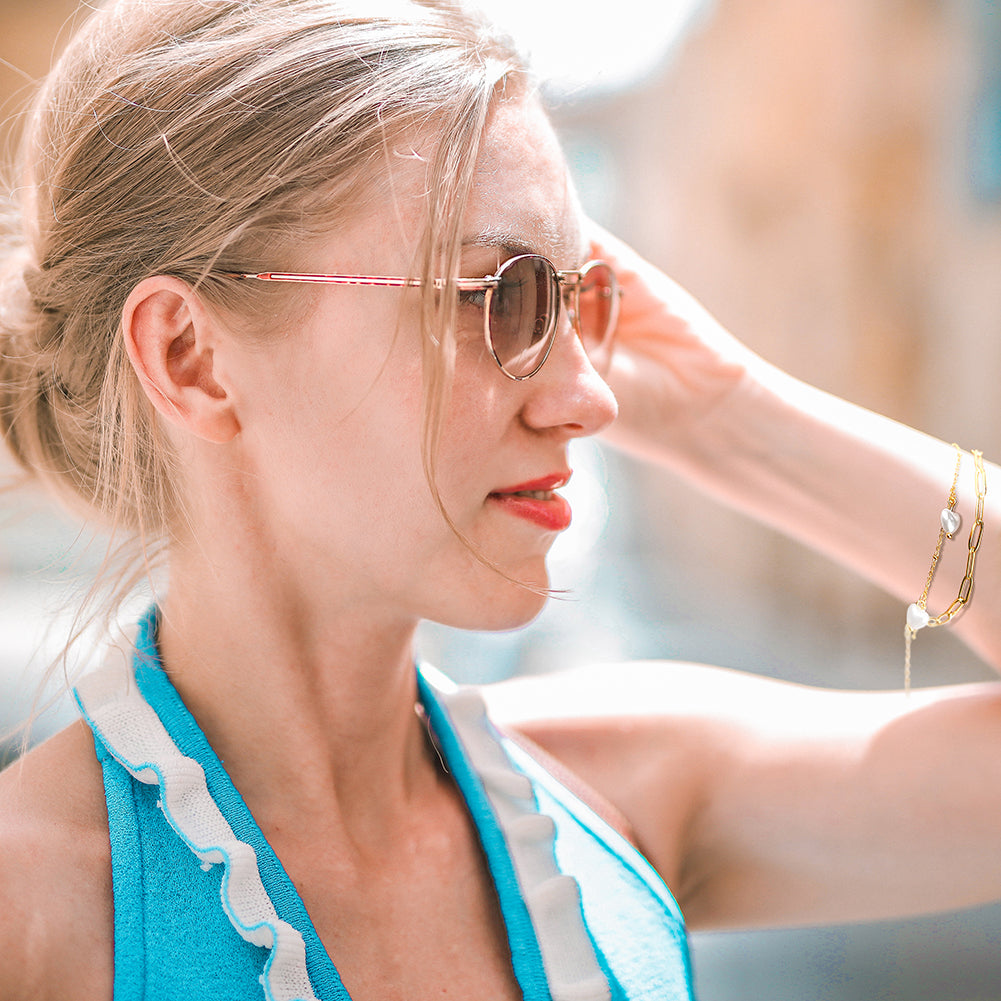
(56, 911)
(686, 708)
(696, 705)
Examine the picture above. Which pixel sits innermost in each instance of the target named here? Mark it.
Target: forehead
(522, 198)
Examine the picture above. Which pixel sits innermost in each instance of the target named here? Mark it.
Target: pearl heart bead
(951, 521)
(917, 617)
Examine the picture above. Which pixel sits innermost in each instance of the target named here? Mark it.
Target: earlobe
(170, 339)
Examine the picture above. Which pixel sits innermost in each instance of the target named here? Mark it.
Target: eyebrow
(515, 245)
(508, 242)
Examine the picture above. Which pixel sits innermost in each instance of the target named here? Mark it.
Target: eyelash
(473, 297)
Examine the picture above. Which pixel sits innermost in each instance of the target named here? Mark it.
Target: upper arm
(56, 903)
(764, 803)
(863, 806)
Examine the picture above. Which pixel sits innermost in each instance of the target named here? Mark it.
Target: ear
(170, 339)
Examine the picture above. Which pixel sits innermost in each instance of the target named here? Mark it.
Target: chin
(503, 604)
(520, 600)
(514, 617)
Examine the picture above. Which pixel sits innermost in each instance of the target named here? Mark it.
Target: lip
(551, 482)
(551, 512)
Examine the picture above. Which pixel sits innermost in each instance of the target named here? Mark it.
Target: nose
(567, 393)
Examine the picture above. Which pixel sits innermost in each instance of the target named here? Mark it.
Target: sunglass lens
(597, 306)
(523, 314)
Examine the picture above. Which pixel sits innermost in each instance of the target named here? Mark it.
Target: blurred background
(826, 177)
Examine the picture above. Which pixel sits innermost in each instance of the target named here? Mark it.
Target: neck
(309, 704)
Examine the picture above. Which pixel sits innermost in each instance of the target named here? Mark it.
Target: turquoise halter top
(204, 908)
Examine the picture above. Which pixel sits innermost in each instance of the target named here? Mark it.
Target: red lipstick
(535, 501)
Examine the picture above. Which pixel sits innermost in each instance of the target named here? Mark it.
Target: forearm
(859, 487)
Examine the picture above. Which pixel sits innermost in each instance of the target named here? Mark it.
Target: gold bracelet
(950, 521)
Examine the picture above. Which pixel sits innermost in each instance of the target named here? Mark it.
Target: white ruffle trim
(136, 738)
(553, 899)
(134, 735)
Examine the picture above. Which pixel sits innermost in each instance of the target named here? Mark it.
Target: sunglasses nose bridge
(568, 283)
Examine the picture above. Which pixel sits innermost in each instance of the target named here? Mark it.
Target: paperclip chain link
(917, 613)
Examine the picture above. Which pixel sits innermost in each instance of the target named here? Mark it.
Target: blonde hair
(183, 137)
(192, 137)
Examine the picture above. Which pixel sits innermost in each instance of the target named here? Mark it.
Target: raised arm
(760, 802)
(764, 803)
(861, 488)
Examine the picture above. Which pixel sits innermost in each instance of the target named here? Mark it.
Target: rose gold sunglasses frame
(565, 282)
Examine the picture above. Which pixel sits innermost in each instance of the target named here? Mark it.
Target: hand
(673, 361)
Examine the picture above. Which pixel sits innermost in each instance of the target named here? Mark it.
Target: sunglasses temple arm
(462, 284)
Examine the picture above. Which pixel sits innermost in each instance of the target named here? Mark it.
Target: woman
(275, 307)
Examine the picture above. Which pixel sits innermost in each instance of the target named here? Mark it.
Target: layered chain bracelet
(918, 616)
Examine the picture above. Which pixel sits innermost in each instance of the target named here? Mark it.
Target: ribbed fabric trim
(552, 953)
(132, 733)
(157, 689)
(600, 829)
(519, 843)
(612, 842)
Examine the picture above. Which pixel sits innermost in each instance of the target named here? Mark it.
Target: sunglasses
(521, 307)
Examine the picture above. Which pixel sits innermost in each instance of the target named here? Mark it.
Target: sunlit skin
(339, 519)
(313, 547)
(329, 419)
(320, 490)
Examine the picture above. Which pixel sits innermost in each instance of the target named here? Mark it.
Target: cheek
(352, 367)
(338, 414)
(473, 430)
